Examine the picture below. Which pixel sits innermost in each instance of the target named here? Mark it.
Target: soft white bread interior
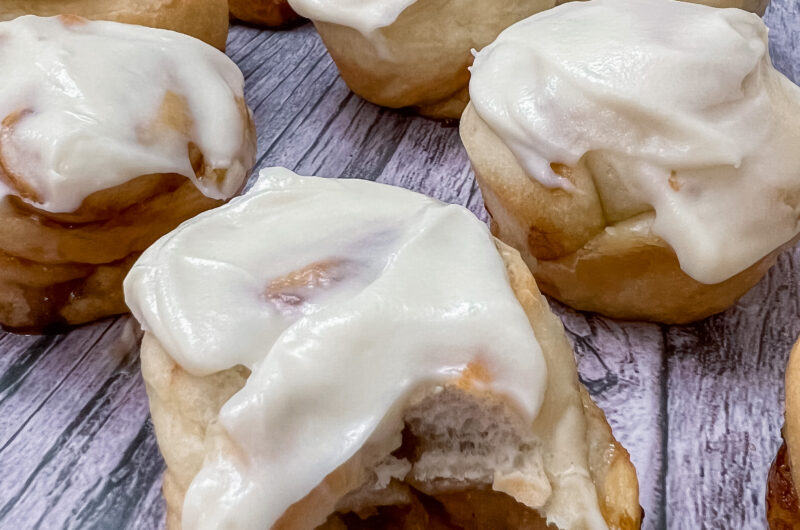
(460, 458)
(592, 247)
(206, 20)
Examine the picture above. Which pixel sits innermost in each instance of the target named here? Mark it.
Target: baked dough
(580, 255)
(184, 409)
(206, 20)
(755, 6)
(263, 12)
(587, 230)
(72, 223)
(420, 60)
(56, 272)
(783, 508)
(354, 351)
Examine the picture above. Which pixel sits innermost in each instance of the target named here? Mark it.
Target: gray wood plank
(72, 444)
(27, 385)
(783, 19)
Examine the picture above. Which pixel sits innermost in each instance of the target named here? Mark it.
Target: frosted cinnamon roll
(642, 155)
(783, 507)
(408, 53)
(344, 354)
(755, 6)
(206, 20)
(263, 12)
(110, 136)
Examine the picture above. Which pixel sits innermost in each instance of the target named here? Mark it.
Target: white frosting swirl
(79, 101)
(366, 16)
(683, 102)
(414, 291)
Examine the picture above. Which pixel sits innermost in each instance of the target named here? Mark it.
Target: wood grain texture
(699, 407)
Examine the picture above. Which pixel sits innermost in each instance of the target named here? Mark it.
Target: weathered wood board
(699, 407)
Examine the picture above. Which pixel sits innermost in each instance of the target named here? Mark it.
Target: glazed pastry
(404, 53)
(756, 6)
(783, 508)
(206, 20)
(639, 175)
(345, 354)
(110, 136)
(263, 12)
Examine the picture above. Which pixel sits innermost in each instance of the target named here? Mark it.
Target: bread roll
(263, 12)
(755, 6)
(383, 351)
(91, 171)
(783, 508)
(206, 20)
(643, 181)
(403, 53)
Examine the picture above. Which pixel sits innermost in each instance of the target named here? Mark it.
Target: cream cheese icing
(366, 16)
(79, 99)
(680, 99)
(398, 292)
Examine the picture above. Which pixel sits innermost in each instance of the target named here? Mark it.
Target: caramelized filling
(673, 181)
(783, 509)
(14, 181)
(27, 309)
(204, 173)
(296, 288)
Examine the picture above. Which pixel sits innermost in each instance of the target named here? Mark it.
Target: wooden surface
(699, 406)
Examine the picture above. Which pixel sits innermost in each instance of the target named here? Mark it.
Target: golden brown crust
(206, 20)
(420, 65)
(627, 275)
(613, 472)
(592, 248)
(271, 13)
(791, 431)
(184, 407)
(783, 508)
(756, 6)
